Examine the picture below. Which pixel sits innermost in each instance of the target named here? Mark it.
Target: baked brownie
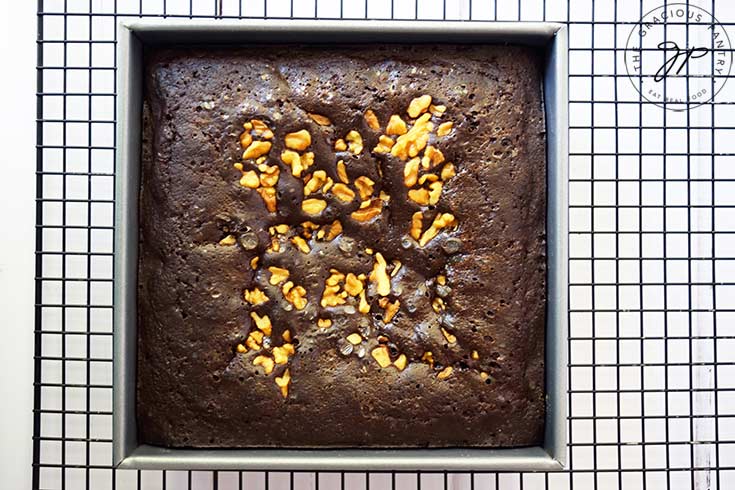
(342, 247)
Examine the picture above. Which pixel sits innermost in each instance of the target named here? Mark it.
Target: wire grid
(652, 258)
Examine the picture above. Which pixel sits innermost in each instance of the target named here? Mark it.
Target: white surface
(17, 242)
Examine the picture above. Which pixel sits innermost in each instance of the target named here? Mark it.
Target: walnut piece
(379, 276)
(262, 322)
(416, 225)
(283, 382)
(444, 128)
(364, 186)
(296, 295)
(255, 296)
(343, 193)
(320, 120)
(342, 172)
(401, 362)
(368, 210)
(382, 355)
(411, 172)
(299, 141)
(256, 149)
(228, 241)
(301, 244)
(250, 179)
(371, 119)
(278, 275)
(449, 336)
(313, 206)
(265, 362)
(419, 105)
(443, 220)
(282, 353)
(396, 126)
(354, 142)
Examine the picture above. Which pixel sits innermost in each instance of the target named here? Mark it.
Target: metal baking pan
(132, 37)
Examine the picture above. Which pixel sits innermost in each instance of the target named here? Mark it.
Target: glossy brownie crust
(195, 390)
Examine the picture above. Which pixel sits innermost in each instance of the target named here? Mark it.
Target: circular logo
(678, 56)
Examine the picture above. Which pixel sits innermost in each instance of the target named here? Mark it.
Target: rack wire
(652, 257)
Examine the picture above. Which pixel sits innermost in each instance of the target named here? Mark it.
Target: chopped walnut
(255, 296)
(401, 362)
(245, 139)
(441, 221)
(372, 119)
(343, 193)
(340, 145)
(278, 275)
(254, 340)
(354, 142)
(368, 210)
(445, 373)
(301, 244)
(320, 120)
(449, 336)
(437, 110)
(334, 230)
(250, 179)
(428, 358)
(419, 196)
(379, 276)
(390, 310)
(396, 126)
(432, 157)
(448, 172)
(444, 128)
(283, 382)
(411, 172)
(363, 307)
(382, 355)
(299, 141)
(283, 352)
(315, 182)
(342, 172)
(410, 144)
(262, 322)
(269, 176)
(385, 143)
(293, 159)
(438, 305)
(269, 198)
(353, 285)
(419, 105)
(435, 192)
(265, 362)
(256, 149)
(229, 240)
(416, 225)
(313, 206)
(364, 186)
(296, 295)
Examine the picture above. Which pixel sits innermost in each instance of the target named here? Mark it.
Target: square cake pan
(128, 452)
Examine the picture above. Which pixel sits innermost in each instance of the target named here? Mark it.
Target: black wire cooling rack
(652, 257)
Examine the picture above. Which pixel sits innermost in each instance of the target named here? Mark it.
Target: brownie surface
(449, 355)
